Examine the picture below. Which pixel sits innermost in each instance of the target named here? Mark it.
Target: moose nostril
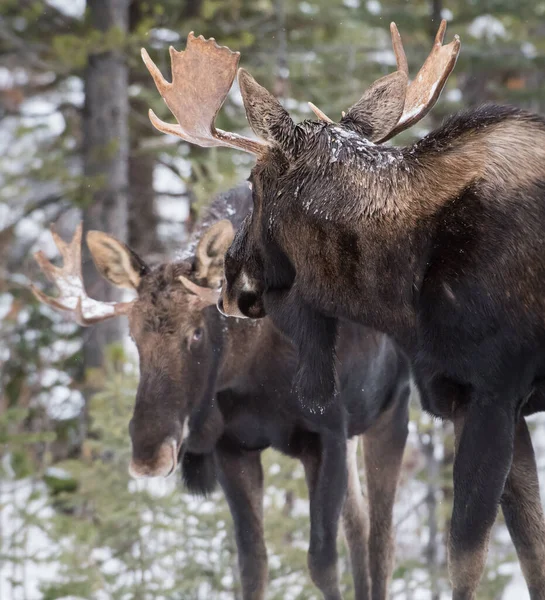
(246, 302)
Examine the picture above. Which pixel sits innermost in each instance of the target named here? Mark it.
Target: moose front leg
(326, 476)
(314, 335)
(485, 438)
(241, 477)
(523, 512)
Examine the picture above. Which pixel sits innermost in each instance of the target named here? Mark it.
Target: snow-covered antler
(73, 298)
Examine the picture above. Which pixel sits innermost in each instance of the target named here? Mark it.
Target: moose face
(295, 197)
(173, 322)
(178, 364)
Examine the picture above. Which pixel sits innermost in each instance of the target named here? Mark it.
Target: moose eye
(197, 335)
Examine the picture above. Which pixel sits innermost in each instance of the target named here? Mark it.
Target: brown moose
(215, 392)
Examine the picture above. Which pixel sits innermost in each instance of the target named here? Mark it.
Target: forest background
(72, 523)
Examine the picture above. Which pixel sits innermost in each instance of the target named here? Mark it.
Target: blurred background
(75, 142)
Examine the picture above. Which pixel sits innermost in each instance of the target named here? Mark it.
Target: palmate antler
(423, 92)
(202, 76)
(73, 298)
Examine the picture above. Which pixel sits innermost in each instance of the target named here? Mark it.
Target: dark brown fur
(440, 245)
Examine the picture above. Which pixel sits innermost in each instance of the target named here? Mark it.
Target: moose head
(293, 160)
(173, 323)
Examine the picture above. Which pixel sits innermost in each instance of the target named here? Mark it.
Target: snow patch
(488, 27)
(374, 7)
(71, 8)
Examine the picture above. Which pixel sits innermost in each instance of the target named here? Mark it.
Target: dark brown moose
(440, 245)
(215, 392)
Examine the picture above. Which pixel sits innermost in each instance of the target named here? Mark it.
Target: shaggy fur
(439, 245)
(199, 473)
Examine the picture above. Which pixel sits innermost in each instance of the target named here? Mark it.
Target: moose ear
(380, 108)
(210, 252)
(115, 261)
(267, 117)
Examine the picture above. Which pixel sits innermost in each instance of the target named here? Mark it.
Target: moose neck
(372, 229)
(241, 341)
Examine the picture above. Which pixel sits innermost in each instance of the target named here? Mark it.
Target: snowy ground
(19, 538)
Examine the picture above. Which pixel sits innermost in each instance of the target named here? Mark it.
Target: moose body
(453, 273)
(215, 392)
(259, 410)
(439, 245)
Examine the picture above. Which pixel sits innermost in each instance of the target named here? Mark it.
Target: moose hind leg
(356, 525)
(384, 444)
(326, 479)
(523, 512)
(483, 460)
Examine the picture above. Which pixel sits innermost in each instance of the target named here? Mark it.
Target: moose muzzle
(242, 299)
(155, 455)
(162, 464)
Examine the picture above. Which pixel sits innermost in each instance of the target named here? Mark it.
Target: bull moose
(215, 392)
(439, 244)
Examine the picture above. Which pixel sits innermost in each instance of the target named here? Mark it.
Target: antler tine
(73, 298)
(401, 61)
(320, 114)
(401, 58)
(440, 35)
(160, 82)
(424, 91)
(202, 76)
(207, 296)
(71, 253)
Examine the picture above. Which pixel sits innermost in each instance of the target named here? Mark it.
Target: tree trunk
(281, 82)
(143, 235)
(436, 9)
(105, 160)
(143, 222)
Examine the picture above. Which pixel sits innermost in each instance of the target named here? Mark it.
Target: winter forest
(76, 145)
